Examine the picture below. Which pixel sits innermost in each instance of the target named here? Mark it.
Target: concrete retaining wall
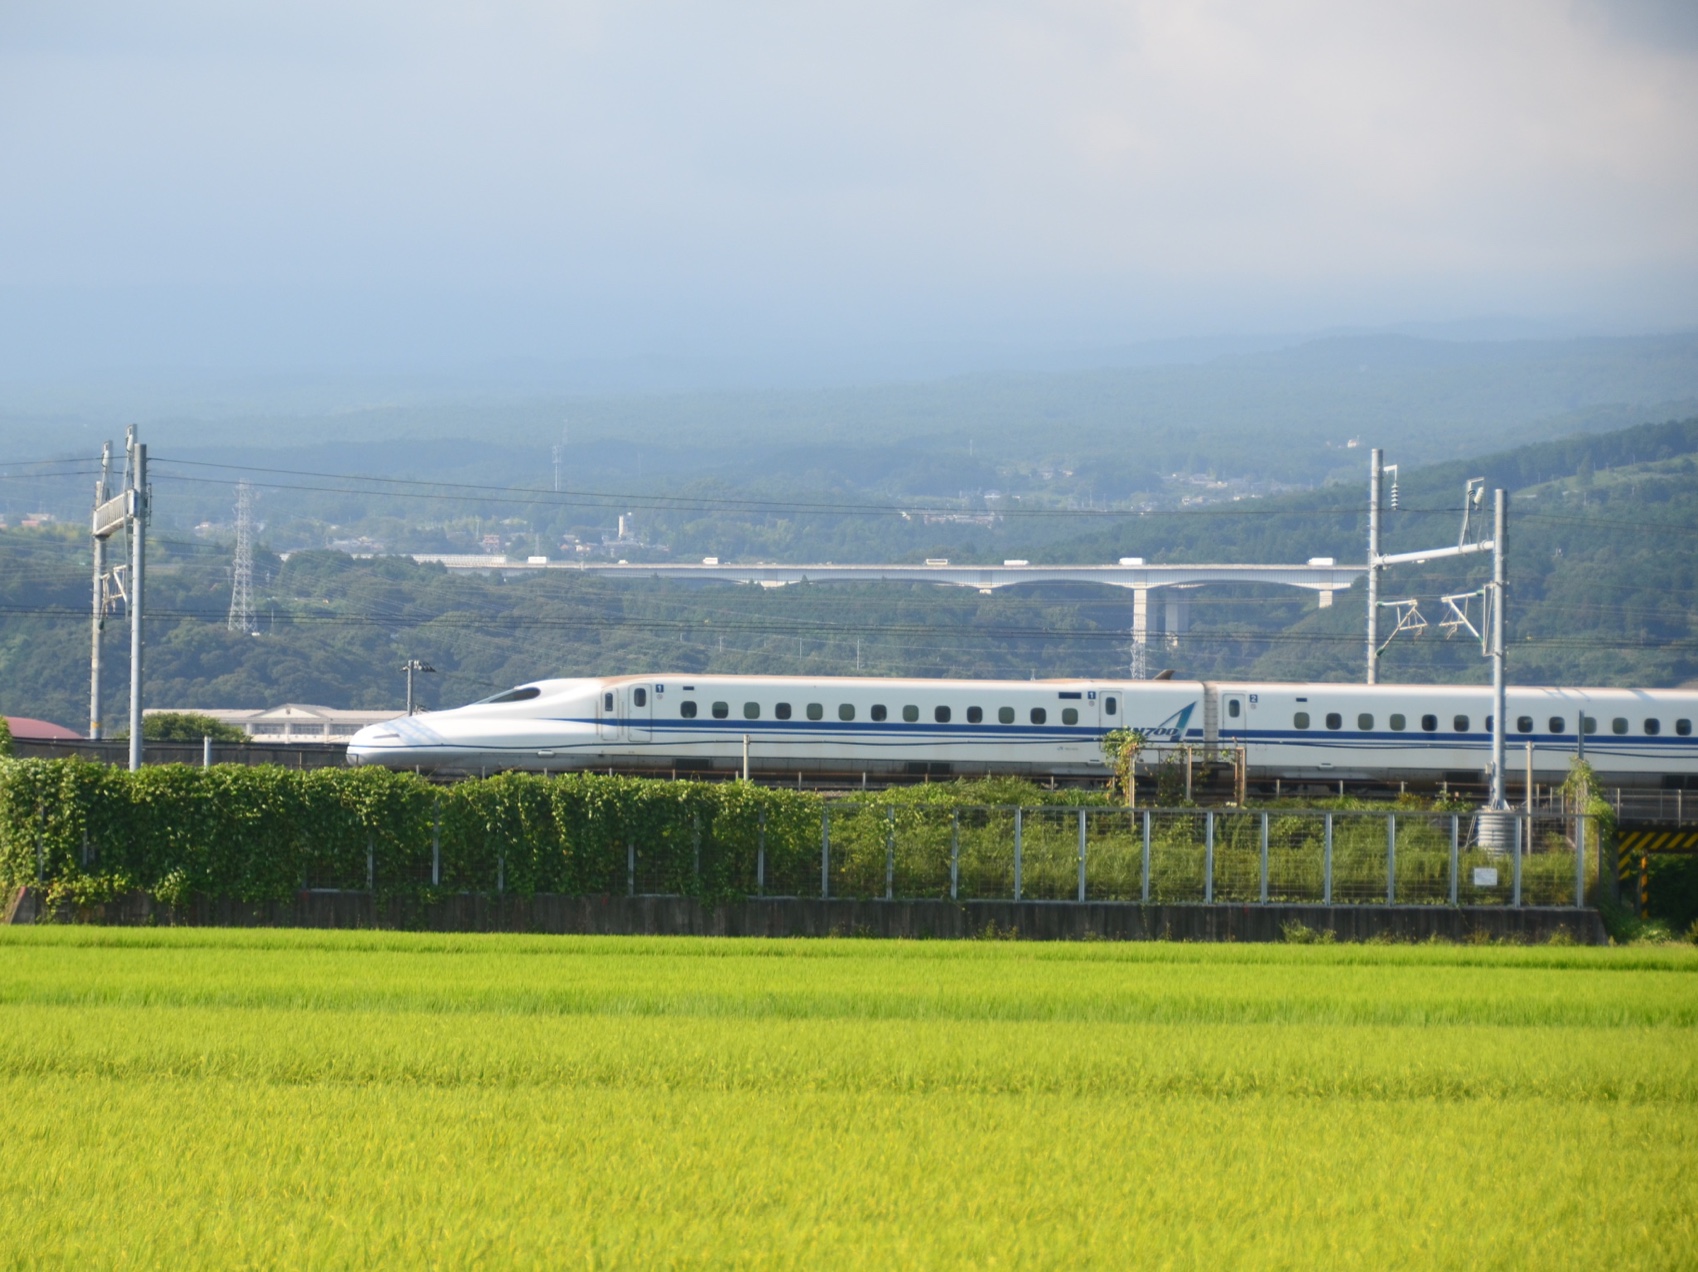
(686, 916)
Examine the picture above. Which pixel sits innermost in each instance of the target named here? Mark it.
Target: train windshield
(522, 694)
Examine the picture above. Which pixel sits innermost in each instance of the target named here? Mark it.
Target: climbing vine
(86, 833)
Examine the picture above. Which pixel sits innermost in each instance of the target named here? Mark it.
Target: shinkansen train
(893, 729)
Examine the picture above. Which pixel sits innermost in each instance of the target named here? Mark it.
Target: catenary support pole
(1500, 553)
(138, 590)
(99, 601)
(1376, 474)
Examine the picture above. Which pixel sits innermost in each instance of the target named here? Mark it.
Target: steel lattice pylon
(242, 579)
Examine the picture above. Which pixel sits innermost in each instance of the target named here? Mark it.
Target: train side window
(687, 710)
(1334, 720)
(975, 715)
(1398, 723)
(941, 715)
(1488, 724)
(1460, 724)
(1234, 708)
(1653, 727)
(1365, 722)
(846, 711)
(781, 710)
(1429, 724)
(911, 714)
(1005, 715)
(879, 711)
(1524, 724)
(816, 711)
(1070, 715)
(751, 711)
(1039, 715)
(1618, 725)
(1683, 728)
(607, 702)
(1589, 723)
(721, 710)
(1111, 706)
(640, 697)
(1300, 720)
(1558, 724)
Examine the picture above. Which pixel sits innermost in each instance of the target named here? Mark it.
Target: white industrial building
(291, 722)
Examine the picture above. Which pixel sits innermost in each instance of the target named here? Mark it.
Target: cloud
(1071, 170)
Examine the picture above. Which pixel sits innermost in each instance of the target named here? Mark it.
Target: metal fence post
(1018, 831)
(1264, 858)
(1326, 867)
(890, 853)
(696, 845)
(1391, 858)
(436, 846)
(955, 855)
(1208, 858)
(760, 853)
(1144, 883)
(501, 872)
(1081, 854)
(630, 867)
(371, 865)
(1455, 854)
(1515, 898)
(825, 853)
(1579, 862)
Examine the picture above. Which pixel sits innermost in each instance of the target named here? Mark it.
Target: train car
(892, 728)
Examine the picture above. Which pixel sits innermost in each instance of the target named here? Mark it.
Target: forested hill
(1603, 567)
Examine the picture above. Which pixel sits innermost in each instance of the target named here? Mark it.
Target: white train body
(886, 727)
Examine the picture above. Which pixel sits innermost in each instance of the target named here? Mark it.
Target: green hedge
(88, 832)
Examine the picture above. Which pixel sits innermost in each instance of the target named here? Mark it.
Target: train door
(609, 710)
(640, 718)
(1110, 708)
(1234, 715)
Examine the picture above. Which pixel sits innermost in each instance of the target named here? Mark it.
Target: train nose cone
(397, 741)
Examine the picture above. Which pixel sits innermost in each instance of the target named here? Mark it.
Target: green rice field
(266, 1098)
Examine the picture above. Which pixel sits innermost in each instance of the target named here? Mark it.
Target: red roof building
(28, 730)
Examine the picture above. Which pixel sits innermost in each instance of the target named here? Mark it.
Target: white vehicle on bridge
(895, 729)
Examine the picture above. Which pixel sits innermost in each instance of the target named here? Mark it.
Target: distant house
(25, 729)
(291, 722)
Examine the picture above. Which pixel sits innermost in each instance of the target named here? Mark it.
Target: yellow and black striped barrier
(1634, 850)
(1633, 843)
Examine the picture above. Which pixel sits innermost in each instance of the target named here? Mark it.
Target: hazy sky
(210, 182)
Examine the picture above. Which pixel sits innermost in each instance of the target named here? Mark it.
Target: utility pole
(1500, 586)
(242, 577)
(1376, 478)
(410, 666)
(99, 623)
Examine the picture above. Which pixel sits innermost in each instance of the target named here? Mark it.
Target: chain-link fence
(1164, 856)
